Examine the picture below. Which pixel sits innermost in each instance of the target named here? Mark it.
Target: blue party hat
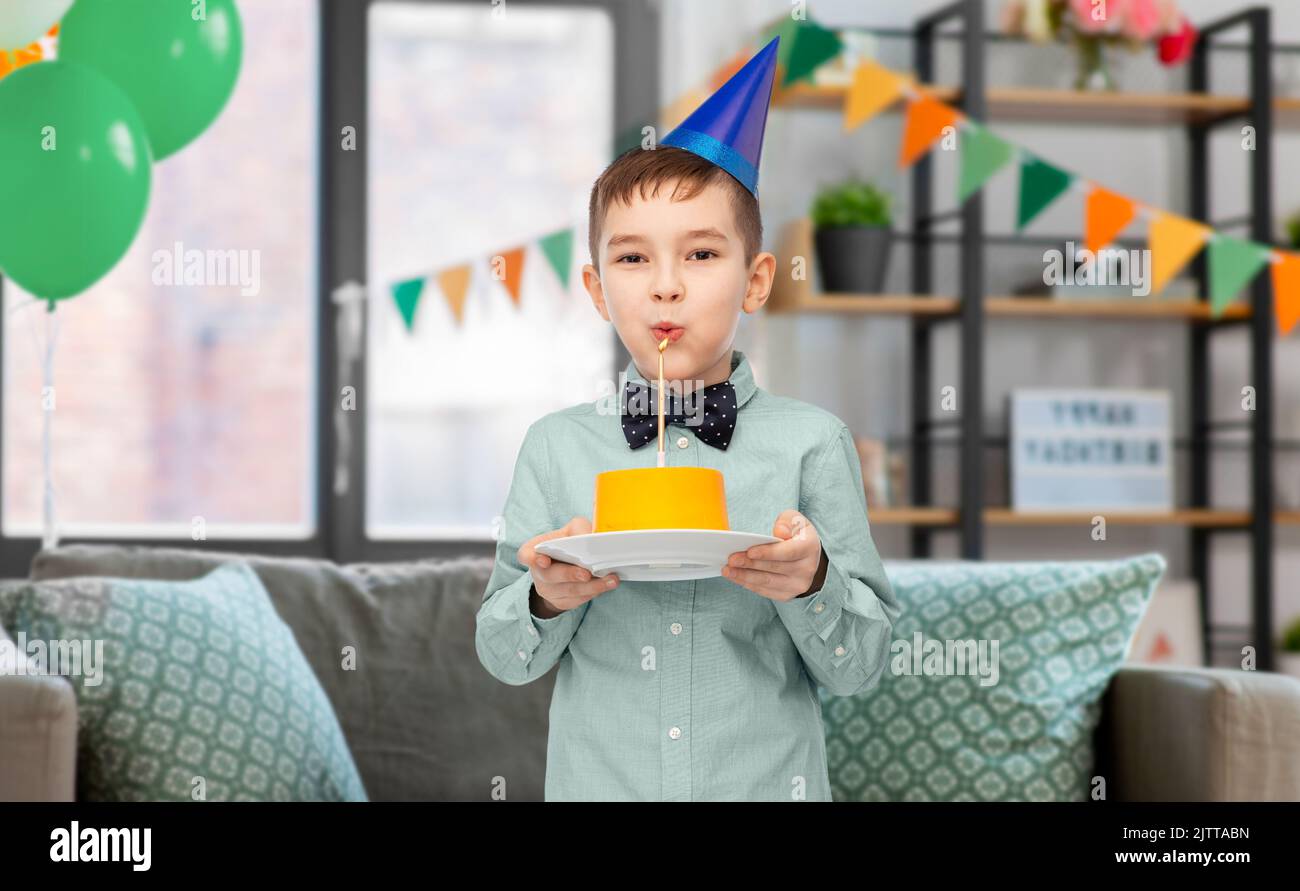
(728, 128)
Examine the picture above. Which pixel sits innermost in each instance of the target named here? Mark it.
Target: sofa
(425, 721)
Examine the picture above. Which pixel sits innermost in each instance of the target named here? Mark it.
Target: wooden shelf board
(1001, 516)
(791, 295)
(883, 304)
(912, 516)
(1123, 308)
(1032, 103)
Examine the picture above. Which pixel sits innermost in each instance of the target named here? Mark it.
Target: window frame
(340, 258)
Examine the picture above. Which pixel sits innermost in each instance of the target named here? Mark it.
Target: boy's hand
(782, 570)
(561, 586)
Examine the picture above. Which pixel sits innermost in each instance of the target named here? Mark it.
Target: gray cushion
(423, 719)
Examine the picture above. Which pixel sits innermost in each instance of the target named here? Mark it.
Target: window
(183, 403)
(485, 133)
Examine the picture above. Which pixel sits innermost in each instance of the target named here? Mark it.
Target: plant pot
(853, 259)
(1288, 663)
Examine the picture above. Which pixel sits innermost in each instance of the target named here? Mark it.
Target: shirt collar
(742, 376)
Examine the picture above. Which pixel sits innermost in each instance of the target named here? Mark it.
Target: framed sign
(1091, 450)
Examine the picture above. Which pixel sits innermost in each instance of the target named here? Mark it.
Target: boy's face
(679, 263)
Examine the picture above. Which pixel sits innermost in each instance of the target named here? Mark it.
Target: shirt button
(675, 627)
(839, 651)
(675, 732)
(521, 654)
(682, 442)
(818, 608)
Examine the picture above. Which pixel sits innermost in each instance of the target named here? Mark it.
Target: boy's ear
(591, 281)
(761, 276)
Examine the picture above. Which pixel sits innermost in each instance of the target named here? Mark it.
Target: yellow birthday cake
(659, 498)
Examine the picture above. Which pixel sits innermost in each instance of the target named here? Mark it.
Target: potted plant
(852, 223)
(1288, 657)
(1293, 229)
(1092, 24)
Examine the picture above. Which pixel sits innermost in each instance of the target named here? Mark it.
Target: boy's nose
(670, 292)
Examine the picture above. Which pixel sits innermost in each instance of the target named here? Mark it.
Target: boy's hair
(648, 169)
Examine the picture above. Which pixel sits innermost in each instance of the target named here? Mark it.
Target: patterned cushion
(1061, 630)
(198, 679)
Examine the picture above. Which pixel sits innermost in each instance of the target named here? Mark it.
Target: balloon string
(50, 539)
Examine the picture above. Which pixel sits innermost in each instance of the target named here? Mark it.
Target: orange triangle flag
(728, 69)
(1106, 215)
(1286, 291)
(681, 107)
(1173, 240)
(454, 283)
(926, 118)
(514, 271)
(874, 89)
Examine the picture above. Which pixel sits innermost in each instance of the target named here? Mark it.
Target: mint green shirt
(695, 690)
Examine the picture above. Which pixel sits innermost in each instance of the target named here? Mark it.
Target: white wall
(858, 367)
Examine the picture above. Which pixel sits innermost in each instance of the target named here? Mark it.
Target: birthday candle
(663, 344)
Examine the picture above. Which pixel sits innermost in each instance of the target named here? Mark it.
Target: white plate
(653, 555)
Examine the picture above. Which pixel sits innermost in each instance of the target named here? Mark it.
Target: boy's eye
(702, 251)
(628, 257)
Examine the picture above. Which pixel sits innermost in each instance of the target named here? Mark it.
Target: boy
(707, 689)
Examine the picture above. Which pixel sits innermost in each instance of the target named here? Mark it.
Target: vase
(1094, 72)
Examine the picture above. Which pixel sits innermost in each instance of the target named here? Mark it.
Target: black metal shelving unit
(969, 16)
(1260, 423)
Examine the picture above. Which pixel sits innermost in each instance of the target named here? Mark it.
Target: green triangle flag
(982, 155)
(811, 46)
(1233, 263)
(804, 45)
(407, 294)
(558, 248)
(1040, 185)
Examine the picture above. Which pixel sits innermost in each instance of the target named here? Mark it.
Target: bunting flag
(558, 250)
(1286, 291)
(11, 59)
(407, 296)
(812, 45)
(514, 271)
(1173, 241)
(728, 69)
(926, 119)
(454, 283)
(804, 46)
(680, 109)
(982, 155)
(1233, 263)
(1106, 215)
(874, 89)
(1040, 185)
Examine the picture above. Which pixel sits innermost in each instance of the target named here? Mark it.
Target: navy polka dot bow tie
(715, 425)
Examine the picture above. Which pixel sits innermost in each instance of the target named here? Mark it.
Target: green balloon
(177, 60)
(74, 177)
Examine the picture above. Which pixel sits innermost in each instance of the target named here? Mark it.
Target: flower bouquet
(1092, 24)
